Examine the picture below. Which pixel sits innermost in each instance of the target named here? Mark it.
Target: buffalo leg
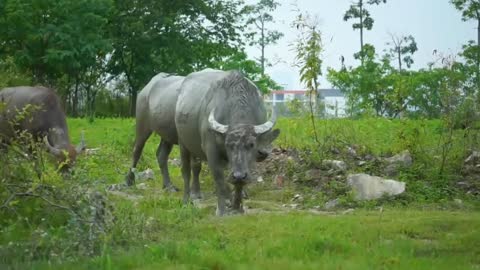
(237, 198)
(216, 167)
(196, 168)
(140, 140)
(163, 151)
(186, 172)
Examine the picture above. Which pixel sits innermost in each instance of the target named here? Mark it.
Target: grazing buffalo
(221, 118)
(44, 120)
(155, 112)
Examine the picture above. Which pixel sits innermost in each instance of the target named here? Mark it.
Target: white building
(333, 99)
(335, 102)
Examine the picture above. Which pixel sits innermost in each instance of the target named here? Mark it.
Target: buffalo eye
(250, 145)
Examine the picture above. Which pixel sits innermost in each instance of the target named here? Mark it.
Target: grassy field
(153, 230)
(395, 239)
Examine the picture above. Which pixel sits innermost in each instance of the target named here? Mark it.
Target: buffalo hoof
(237, 211)
(196, 196)
(171, 188)
(130, 179)
(188, 201)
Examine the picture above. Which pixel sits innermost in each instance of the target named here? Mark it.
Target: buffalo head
(245, 144)
(65, 154)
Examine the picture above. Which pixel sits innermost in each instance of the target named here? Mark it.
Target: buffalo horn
(214, 125)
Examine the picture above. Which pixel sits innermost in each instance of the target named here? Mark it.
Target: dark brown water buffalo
(44, 120)
(221, 118)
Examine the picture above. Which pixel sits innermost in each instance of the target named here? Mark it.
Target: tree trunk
(399, 59)
(361, 30)
(478, 57)
(90, 103)
(75, 99)
(133, 101)
(262, 45)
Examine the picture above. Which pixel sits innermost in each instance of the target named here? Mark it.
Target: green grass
(115, 138)
(153, 230)
(394, 239)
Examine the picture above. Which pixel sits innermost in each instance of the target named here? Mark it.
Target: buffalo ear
(262, 154)
(265, 144)
(269, 137)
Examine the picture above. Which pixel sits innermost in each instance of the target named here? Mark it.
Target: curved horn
(267, 126)
(214, 125)
(54, 151)
(82, 144)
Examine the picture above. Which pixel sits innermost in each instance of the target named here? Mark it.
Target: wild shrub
(44, 214)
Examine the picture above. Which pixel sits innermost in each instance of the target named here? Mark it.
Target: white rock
(361, 163)
(348, 211)
(367, 187)
(91, 151)
(142, 186)
(145, 175)
(336, 164)
(351, 151)
(298, 198)
(331, 204)
(474, 156)
(404, 159)
(260, 179)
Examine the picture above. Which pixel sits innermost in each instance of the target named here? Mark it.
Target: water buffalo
(46, 121)
(221, 118)
(155, 112)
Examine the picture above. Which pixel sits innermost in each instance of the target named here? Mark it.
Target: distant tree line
(384, 84)
(99, 53)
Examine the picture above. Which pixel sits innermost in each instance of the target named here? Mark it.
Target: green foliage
(60, 37)
(296, 107)
(10, 74)
(390, 238)
(358, 11)
(402, 50)
(377, 85)
(258, 18)
(470, 8)
(308, 50)
(250, 68)
(471, 11)
(157, 36)
(81, 48)
(43, 216)
(166, 234)
(366, 85)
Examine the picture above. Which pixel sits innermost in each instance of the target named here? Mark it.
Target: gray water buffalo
(44, 120)
(155, 112)
(221, 118)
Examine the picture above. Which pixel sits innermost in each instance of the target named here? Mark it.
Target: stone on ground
(367, 187)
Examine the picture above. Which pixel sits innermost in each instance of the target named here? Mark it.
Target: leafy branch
(308, 49)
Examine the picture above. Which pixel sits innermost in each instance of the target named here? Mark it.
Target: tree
(371, 85)
(259, 17)
(174, 37)
(308, 49)
(471, 11)
(56, 41)
(250, 68)
(358, 11)
(402, 49)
